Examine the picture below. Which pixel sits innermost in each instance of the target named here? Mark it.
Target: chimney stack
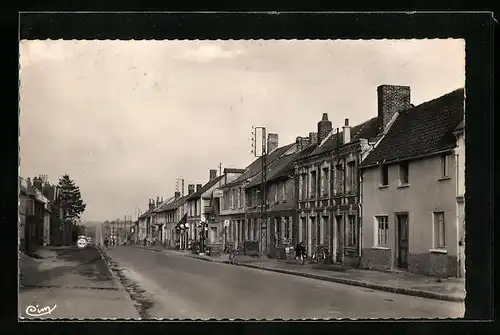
(157, 201)
(313, 138)
(151, 203)
(298, 143)
(346, 132)
(306, 141)
(177, 195)
(324, 128)
(198, 187)
(391, 99)
(190, 188)
(213, 174)
(272, 142)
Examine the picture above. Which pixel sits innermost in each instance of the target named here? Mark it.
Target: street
(170, 285)
(68, 282)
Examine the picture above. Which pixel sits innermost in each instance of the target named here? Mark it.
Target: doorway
(338, 240)
(314, 237)
(402, 240)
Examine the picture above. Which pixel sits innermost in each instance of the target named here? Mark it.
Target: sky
(125, 119)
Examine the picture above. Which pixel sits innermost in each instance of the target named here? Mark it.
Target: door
(314, 237)
(338, 239)
(402, 240)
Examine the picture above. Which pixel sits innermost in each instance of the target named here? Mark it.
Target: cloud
(205, 53)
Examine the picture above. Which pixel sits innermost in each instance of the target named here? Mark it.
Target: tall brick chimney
(272, 142)
(324, 128)
(391, 99)
(190, 188)
(213, 174)
(313, 138)
(346, 131)
(198, 187)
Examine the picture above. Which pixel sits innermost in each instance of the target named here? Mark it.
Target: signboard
(81, 243)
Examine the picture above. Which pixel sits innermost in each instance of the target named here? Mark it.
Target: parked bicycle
(233, 255)
(322, 255)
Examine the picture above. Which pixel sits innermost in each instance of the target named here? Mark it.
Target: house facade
(34, 215)
(280, 201)
(413, 192)
(174, 215)
(328, 184)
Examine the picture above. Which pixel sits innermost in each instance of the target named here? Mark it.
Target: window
(439, 231)
(445, 165)
(382, 231)
(403, 173)
(313, 182)
(339, 179)
(351, 176)
(287, 227)
(324, 182)
(239, 198)
(303, 194)
(284, 192)
(351, 231)
(275, 193)
(384, 175)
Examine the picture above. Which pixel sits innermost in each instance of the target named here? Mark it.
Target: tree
(70, 200)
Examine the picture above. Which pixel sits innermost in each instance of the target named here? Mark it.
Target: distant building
(413, 191)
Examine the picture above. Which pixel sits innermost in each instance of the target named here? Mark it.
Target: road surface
(171, 285)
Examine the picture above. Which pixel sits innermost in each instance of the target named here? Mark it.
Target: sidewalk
(452, 289)
(70, 283)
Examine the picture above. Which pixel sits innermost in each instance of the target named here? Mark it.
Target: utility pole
(263, 207)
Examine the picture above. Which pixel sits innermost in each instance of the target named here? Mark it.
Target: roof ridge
(432, 101)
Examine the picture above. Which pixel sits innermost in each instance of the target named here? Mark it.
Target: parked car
(89, 240)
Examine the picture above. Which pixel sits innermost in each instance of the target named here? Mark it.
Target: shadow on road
(43, 271)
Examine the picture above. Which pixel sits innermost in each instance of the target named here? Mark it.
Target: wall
(425, 194)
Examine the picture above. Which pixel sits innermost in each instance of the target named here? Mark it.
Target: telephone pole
(263, 207)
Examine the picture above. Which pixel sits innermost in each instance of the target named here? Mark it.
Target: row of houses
(384, 194)
(39, 223)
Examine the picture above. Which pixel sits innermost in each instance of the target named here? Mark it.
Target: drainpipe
(360, 209)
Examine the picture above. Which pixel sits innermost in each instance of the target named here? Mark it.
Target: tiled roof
(163, 204)
(256, 166)
(367, 129)
(204, 188)
(289, 167)
(174, 204)
(279, 168)
(422, 130)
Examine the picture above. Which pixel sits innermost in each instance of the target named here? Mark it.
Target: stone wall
(376, 259)
(433, 264)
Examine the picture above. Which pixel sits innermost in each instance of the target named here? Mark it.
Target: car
(89, 240)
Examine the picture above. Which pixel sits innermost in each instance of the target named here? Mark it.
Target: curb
(119, 285)
(396, 290)
(378, 287)
(116, 280)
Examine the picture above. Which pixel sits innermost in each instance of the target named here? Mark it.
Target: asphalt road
(170, 285)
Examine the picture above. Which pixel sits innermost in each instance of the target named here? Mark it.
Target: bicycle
(321, 255)
(233, 254)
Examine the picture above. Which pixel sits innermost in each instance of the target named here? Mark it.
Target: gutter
(409, 158)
